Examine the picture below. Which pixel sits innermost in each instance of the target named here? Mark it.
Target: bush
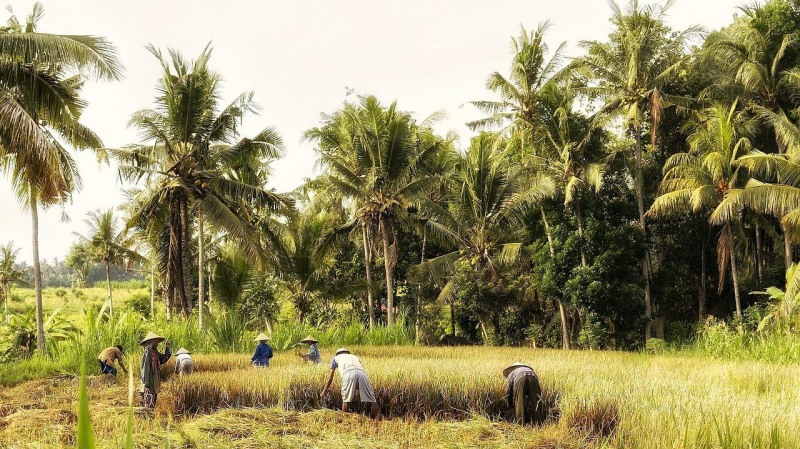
(61, 293)
(139, 302)
(656, 346)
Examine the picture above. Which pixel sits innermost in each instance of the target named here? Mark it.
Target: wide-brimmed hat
(262, 337)
(152, 336)
(309, 339)
(182, 351)
(514, 366)
(342, 351)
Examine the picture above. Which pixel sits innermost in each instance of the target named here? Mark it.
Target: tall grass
(724, 341)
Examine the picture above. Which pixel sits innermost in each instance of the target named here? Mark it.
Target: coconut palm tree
(754, 67)
(630, 74)
(699, 181)
(525, 111)
(374, 156)
(9, 274)
(41, 76)
(109, 245)
(194, 164)
(483, 220)
(304, 254)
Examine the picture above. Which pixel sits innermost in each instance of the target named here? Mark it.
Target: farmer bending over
(107, 358)
(313, 352)
(183, 362)
(150, 371)
(263, 352)
(524, 393)
(354, 378)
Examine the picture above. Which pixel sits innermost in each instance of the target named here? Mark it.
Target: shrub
(139, 302)
(656, 346)
(60, 292)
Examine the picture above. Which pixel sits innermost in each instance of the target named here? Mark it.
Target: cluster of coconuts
(200, 183)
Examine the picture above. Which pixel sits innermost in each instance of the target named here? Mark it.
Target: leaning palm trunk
(648, 307)
(108, 284)
(368, 265)
(562, 311)
(153, 292)
(389, 265)
(37, 275)
(201, 291)
(734, 274)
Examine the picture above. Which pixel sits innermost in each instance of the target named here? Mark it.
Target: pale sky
(299, 57)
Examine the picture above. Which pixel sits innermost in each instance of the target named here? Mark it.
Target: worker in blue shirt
(263, 352)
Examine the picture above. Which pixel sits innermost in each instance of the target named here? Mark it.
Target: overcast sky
(300, 57)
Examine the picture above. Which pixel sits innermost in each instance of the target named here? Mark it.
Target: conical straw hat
(342, 351)
(182, 351)
(262, 337)
(309, 339)
(514, 366)
(152, 336)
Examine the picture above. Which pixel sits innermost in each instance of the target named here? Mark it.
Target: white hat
(342, 351)
(152, 336)
(309, 339)
(514, 366)
(182, 351)
(262, 337)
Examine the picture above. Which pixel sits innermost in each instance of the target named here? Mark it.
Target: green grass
(72, 301)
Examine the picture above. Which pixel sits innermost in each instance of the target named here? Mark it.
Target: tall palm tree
(523, 112)
(375, 156)
(630, 74)
(9, 274)
(191, 163)
(483, 220)
(699, 181)
(40, 80)
(754, 67)
(304, 254)
(109, 245)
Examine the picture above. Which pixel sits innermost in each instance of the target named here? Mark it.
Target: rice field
(432, 397)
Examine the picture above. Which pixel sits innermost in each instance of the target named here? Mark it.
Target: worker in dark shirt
(263, 352)
(524, 394)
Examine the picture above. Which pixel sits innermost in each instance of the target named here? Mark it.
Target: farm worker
(354, 378)
(150, 371)
(183, 362)
(524, 393)
(263, 352)
(313, 352)
(107, 358)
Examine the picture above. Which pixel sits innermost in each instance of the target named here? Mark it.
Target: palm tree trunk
(759, 256)
(6, 294)
(580, 232)
(419, 289)
(702, 288)
(153, 292)
(108, 284)
(185, 280)
(547, 232)
(787, 247)
(734, 274)
(368, 266)
(452, 318)
(201, 264)
(389, 265)
(648, 307)
(37, 275)
(562, 311)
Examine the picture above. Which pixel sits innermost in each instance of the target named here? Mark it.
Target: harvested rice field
(431, 397)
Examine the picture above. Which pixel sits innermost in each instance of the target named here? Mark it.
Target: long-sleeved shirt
(184, 364)
(150, 369)
(262, 355)
(513, 377)
(313, 354)
(110, 355)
